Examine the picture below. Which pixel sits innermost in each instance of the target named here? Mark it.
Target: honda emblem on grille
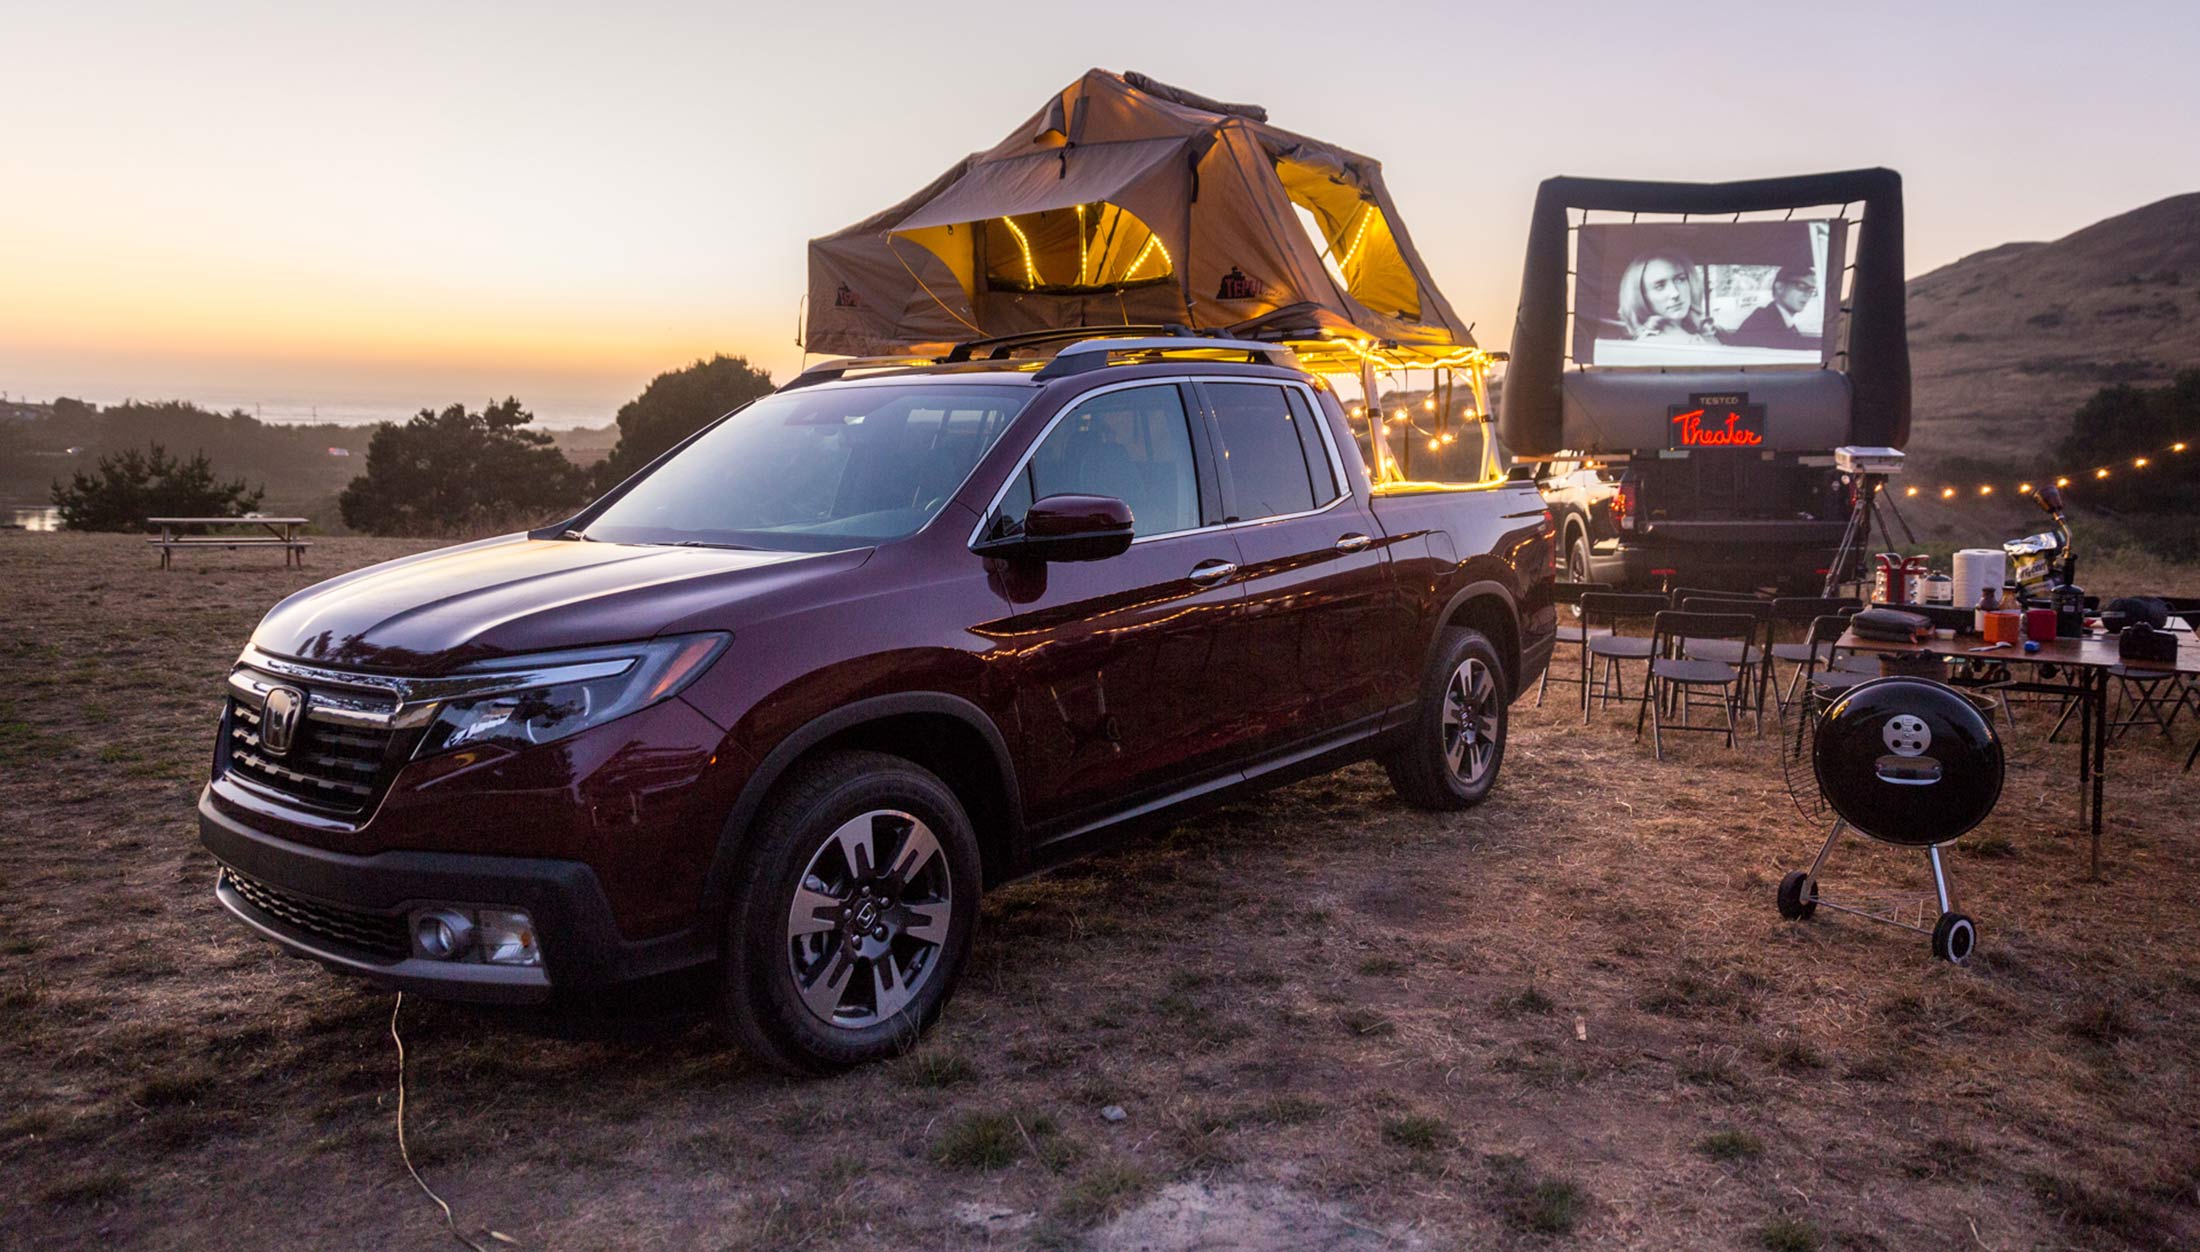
(279, 716)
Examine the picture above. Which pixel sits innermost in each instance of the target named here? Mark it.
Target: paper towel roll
(1977, 568)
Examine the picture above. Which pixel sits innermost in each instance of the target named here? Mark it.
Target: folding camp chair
(1571, 629)
(1601, 677)
(2146, 698)
(1824, 680)
(1752, 659)
(1676, 679)
(1801, 611)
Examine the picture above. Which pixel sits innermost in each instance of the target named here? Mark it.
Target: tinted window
(1134, 444)
(818, 468)
(1320, 468)
(1263, 456)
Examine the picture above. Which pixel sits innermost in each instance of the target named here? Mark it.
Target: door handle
(1354, 542)
(1209, 572)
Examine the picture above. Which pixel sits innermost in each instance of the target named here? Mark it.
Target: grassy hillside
(2005, 344)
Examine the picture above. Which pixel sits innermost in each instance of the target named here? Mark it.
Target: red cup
(2039, 624)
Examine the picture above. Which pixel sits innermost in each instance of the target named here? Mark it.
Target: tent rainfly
(1127, 201)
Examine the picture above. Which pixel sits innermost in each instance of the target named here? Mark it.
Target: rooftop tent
(1126, 201)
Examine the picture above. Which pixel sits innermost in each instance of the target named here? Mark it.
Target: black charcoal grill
(1909, 762)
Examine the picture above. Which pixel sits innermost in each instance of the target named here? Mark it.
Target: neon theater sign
(1716, 421)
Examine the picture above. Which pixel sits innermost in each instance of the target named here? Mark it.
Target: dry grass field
(1568, 1018)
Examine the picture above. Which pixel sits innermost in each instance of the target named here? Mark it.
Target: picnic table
(2085, 664)
(281, 532)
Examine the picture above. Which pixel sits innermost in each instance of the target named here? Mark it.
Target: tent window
(1086, 248)
(1353, 236)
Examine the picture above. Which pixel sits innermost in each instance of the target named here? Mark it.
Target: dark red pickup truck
(791, 697)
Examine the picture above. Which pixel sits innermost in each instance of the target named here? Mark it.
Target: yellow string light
(2024, 489)
(1947, 493)
(2177, 447)
(2141, 463)
(2100, 473)
(1153, 243)
(2060, 480)
(1081, 262)
(1031, 267)
(1910, 491)
(1366, 212)
(1986, 489)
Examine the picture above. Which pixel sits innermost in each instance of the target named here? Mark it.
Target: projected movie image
(1678, 294)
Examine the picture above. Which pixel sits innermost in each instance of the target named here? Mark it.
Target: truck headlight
(542, 697)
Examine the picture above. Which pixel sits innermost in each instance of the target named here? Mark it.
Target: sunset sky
(395, 205)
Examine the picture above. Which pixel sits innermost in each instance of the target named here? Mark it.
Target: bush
(130, 486)
(454, 471)
(676, 404)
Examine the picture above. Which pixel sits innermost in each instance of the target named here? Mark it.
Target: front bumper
(339, 909)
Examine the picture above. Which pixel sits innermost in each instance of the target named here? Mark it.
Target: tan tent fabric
(1006, 241)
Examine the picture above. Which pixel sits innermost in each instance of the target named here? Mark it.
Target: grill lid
(1907, 761)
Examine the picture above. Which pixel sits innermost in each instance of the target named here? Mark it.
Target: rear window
(1263, 452)
(818, 469)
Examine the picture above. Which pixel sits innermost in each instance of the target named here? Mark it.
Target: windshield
(818, 469)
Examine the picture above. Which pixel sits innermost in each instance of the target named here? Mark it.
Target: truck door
(1320, 612)
(1124, 670)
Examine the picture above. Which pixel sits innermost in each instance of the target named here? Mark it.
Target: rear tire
(1451, 749)
(1577, 558)
(852, 926)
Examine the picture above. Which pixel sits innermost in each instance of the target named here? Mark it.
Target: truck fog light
(443, 934)
(507, 938)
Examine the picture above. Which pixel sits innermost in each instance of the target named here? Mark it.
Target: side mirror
(1066, 528)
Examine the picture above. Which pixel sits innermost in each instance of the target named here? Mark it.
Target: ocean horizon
(284, 408)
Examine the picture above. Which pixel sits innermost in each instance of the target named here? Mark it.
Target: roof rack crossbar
(1092, 354)
(995, 347)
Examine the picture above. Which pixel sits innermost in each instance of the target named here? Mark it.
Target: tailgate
(1738, 487)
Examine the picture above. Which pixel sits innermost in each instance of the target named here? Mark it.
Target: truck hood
(429, 613)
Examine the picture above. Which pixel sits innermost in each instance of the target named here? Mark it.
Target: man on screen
(1776, 324)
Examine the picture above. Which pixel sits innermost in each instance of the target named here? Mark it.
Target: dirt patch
(1210, 1217)
(1570, 1016)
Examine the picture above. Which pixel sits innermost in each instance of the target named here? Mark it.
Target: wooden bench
(282, 532)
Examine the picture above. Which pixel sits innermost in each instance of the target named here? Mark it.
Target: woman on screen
(1659, 300)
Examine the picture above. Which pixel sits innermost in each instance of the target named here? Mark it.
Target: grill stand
(1954, 936)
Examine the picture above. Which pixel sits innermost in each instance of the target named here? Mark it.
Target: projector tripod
(1856, 540)
(1954, 935)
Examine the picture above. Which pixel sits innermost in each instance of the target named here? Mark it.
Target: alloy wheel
(1470, 721)
(869, 923)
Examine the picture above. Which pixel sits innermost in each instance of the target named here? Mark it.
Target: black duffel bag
(1891, 626)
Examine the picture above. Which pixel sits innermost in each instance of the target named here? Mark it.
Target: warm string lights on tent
(2099, 473)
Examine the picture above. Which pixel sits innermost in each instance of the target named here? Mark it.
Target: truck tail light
(1624, 511)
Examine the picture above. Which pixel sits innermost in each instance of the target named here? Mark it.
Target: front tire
(850, 931)
(1452, 747)
(1577, 557)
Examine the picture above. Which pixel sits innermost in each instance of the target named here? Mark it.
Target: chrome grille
(380, 935)
(340, 769)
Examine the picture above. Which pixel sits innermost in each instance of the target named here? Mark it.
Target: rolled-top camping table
(2087, 661)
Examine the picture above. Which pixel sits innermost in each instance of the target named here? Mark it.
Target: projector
(1868, 460)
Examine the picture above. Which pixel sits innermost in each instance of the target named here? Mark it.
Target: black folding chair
(2146, 697)
(1601, 677)
(1677, 679)
(1801, 611)
(1751, 658)
(1572, 628)
(1680, 595)
(1823, 681)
